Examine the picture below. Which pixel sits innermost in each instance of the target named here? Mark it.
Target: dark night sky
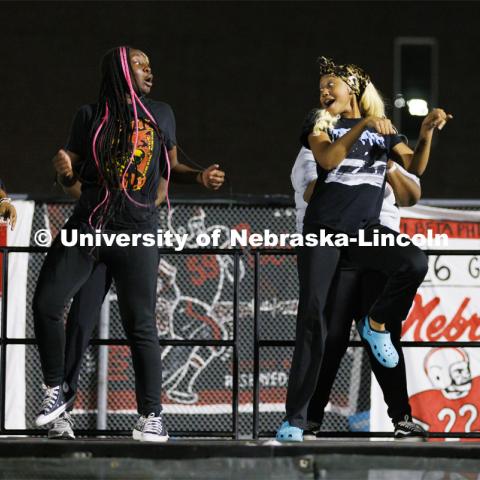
(239, 76)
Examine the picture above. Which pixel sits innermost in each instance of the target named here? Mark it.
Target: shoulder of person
(310, 118)
(158, 107)
(87, 112)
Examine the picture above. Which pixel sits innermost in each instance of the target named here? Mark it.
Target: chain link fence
(195, 302)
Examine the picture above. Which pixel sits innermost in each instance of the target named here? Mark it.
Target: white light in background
(399, 101)
(417, 107)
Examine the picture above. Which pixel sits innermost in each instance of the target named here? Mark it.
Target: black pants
(134, 269)
(351, 296)
(82, 319)
(405, 268)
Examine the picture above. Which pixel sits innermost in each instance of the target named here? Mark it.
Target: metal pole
(3, 356)
(256, 346)
(102, 381)
(235, 392)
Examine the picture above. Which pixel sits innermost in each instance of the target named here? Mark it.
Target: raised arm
(416, 161)
(330, 154)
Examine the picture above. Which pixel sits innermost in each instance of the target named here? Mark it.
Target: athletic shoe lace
(51, 395)
(409, 425)
(154, 424)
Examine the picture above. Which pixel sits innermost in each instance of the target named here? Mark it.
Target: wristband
(5, 200)
(200, 178)
(67, 182)
(392, 168)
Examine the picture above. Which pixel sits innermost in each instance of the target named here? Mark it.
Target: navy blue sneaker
(150, 428)
(56, 400)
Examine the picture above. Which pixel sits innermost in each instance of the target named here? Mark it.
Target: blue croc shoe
(289, 433)
(380, 344)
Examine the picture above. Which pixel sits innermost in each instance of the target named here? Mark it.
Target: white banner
(16, 313)
(443, 384)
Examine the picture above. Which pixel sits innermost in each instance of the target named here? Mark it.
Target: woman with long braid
(85, 309)
(120, 148)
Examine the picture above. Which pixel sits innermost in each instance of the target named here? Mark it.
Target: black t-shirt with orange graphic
(142, 178)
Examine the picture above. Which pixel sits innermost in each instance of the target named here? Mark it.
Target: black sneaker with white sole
(408, 429)
(150, 429)
(313, 428)
(55, 401)
(62, 428)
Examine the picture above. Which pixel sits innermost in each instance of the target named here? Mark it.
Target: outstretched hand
(437, 118)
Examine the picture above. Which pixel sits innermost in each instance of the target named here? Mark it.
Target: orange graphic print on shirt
(136, 175)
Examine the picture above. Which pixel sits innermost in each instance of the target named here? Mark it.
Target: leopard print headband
(356, 78)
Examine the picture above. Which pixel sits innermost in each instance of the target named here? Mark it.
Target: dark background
(239, 76)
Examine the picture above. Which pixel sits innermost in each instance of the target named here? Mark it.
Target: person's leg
(64, 271)
(316, 270)
(134, 270)
(405, 269)
(342, 302)
(81, 321)
(392, 381)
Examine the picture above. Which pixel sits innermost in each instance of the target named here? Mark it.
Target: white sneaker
(62, 427)
(150, 429)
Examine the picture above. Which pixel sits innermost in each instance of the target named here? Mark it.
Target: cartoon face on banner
(449, 371)
(453, 404)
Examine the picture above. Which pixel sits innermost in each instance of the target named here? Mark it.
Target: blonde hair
(371, 104)
(324, 121)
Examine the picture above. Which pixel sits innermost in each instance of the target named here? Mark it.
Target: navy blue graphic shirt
(145, 171)
(349, 197)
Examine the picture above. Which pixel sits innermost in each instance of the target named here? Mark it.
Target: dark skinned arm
(211, 178)
(407, 192)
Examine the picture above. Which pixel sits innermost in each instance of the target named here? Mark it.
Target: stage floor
(39, 458)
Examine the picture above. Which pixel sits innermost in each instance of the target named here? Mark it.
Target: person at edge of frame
(7, 211)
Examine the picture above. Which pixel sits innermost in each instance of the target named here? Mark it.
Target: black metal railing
(258, 344)
(232, 343)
